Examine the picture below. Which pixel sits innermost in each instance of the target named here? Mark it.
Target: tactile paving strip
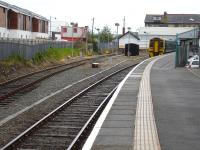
(146, 136)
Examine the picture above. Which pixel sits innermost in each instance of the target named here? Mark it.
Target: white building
(128, 37)
(168, 33)
(74, 33)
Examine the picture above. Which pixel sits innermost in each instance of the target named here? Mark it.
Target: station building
(166, 33)
(166, 26)
(16, 22)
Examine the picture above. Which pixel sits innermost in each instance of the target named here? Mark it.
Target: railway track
(26, 82)
(65, 126)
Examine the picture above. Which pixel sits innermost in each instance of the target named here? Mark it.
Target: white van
(193, 64)
(195, 57)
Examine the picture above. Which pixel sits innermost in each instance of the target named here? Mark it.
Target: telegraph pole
(92, 32)
(124, 26)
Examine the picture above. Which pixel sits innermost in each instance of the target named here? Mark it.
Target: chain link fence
(111, 46)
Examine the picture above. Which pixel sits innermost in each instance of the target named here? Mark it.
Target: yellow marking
(156, 46)
(146, 136)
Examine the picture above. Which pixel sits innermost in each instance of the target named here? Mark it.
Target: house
(128, 37)
(73, 33)
(172, 20)
(16, 22)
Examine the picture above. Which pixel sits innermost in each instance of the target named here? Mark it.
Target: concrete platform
(176, 99)
(157, 111)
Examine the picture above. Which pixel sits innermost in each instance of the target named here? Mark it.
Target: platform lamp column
(72, 24)
(117, 25)
(86, 38)
(146, 41)
(50, 32)
(98, 38)
(129, 29)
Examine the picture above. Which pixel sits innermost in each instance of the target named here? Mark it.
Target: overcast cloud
(106, 12)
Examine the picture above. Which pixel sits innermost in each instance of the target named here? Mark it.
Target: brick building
(16, 22)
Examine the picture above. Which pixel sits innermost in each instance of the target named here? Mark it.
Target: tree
(105, 34)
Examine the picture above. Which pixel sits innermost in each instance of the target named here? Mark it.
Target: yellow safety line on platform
(146, 136)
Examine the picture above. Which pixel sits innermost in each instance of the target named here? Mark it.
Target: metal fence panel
(27, 48)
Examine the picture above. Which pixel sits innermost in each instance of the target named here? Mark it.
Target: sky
(106, 12)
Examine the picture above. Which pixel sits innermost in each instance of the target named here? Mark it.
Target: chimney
(123, 30)
(165, 13)
(124, 26)
(165, 17)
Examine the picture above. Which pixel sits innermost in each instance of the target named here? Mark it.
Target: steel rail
(79, 138)
(21, 87)
(28, 131)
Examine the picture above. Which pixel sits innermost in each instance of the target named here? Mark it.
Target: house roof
(174, 18)
(134, 34)
(21, 10)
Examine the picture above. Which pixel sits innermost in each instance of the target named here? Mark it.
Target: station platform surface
(156, 106)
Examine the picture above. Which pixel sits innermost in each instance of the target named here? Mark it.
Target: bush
(16, 59)
(38, 58)
(55, 54)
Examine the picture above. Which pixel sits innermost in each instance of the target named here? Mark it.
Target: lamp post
(98, 38)
(72, 24)
(51, 26)
(129, 29)
(146, 40)
(117, 25)
(86, 36)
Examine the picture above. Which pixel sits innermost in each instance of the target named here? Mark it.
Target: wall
(21, 34)
(2, 17)
(28, 23)
(46, 27)
(38, 35)
(4, 33)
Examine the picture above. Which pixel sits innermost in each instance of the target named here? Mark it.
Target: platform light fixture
(117, 25)
(72, 24)
(98, 38)
(50, 32)
(86, 37)
(129, 30)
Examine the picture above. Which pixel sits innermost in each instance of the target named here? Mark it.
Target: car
(195, 57)
(193, 64)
